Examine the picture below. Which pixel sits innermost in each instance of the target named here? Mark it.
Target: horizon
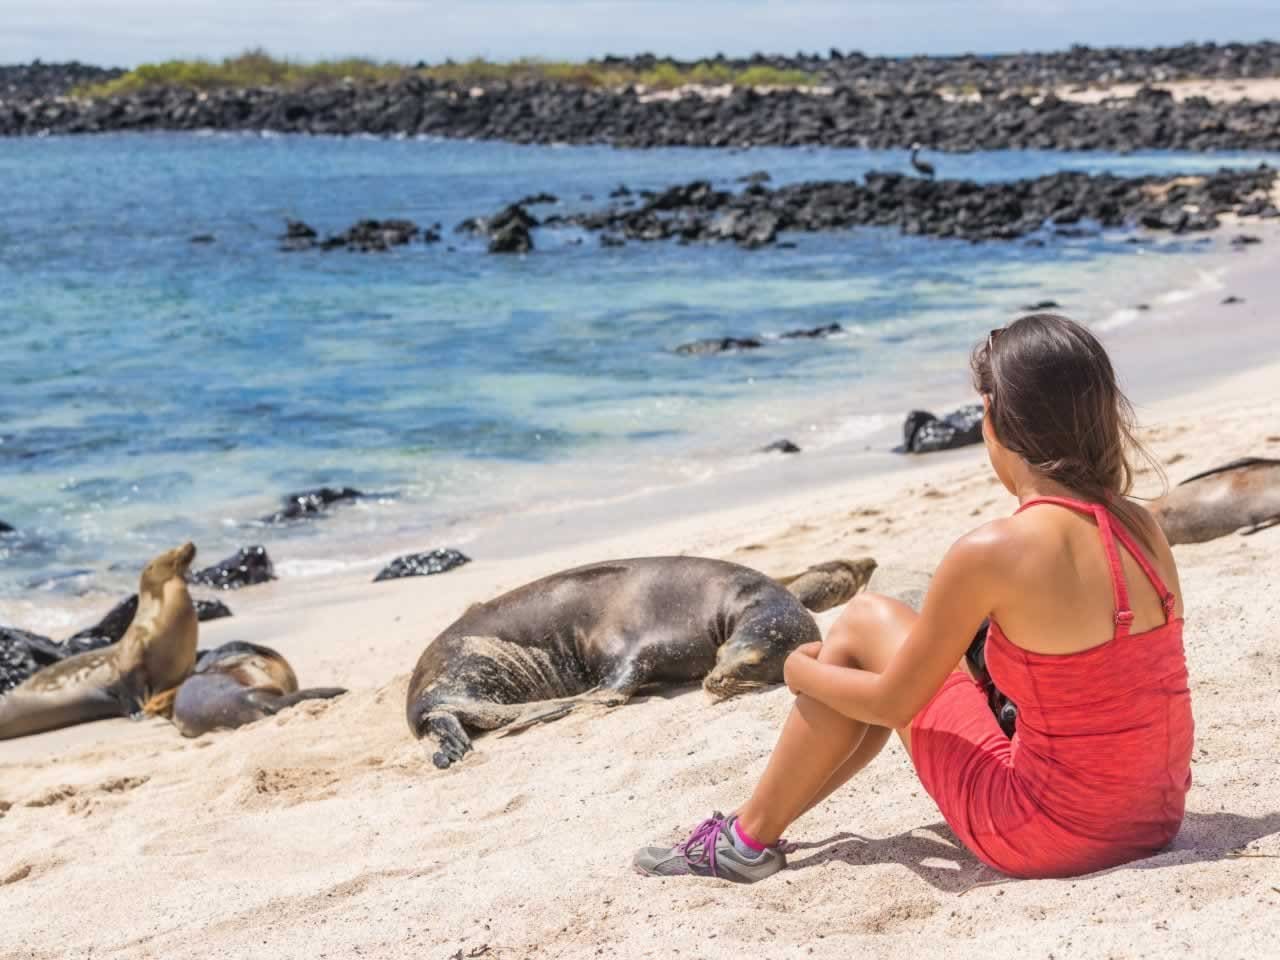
(408, 31)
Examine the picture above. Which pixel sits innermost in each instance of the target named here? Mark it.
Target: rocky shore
(1078, 65)
(1062, 203)
(853, 113)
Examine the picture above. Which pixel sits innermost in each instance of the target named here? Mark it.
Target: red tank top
(1104, 735)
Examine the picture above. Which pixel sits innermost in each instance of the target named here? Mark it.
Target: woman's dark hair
(1054, 401)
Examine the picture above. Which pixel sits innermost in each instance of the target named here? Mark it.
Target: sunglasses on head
(991, 337)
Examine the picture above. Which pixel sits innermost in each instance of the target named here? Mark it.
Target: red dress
(1098, 770)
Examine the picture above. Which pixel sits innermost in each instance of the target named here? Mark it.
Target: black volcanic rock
(922, 432)
(5, 528)
(780, 446)
(512, 238)
(869, 102)
(959, 209)
(211, 610)
(423, 564)
(246, 567)
(373, 236)
(297, 236)
(719, 345)
(311, 503)
(112, 626)
(23, 653)
(813, 333)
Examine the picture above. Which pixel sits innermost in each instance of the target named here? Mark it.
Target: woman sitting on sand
(1085, 638)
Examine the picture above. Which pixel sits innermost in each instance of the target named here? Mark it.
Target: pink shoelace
(700, 849)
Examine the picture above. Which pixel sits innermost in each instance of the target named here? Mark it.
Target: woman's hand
(807, 651)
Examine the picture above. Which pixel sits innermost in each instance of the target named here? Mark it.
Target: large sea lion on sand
(1243, 493)
(235, 684)
(597, 634)
(155, 654)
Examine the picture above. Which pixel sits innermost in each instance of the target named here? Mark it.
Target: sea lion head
(167, 566)
(752, 659)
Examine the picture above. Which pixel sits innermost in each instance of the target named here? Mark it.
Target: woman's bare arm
(968, 585)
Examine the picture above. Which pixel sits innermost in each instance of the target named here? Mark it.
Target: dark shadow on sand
(935, 855)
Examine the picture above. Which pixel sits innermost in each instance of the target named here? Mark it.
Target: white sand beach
(327, 832)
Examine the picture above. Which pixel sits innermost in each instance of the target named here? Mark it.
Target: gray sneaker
(709, 852)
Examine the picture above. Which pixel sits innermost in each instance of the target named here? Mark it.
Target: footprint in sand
(287, 785)
(21, 873)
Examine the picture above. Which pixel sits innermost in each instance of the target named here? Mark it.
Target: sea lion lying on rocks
(1212, 504)
(596, 635)
(156, 654)
(234, 684)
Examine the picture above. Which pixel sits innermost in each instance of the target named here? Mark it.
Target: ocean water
(154, 390)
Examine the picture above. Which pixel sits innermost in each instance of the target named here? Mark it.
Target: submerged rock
(373, 236)
(246, 567)
(813, 333)
(925, 433)
(719, 345)
(309, 503)
(298, 236)
(423, 564)
(5, 528)
(513, 238)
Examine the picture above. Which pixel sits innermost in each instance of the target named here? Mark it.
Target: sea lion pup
(1212, 504)
(235, 684)
(830, 584)
(597, 634)
(155, 654)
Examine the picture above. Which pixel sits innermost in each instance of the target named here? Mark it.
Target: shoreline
(1160, 353)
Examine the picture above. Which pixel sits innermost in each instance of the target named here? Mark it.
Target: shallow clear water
(153, 390)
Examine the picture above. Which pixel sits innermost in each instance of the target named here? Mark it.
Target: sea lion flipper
(1266, 524)
(271, 703)
(544, 714)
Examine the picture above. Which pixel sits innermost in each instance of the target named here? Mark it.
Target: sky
(128, 32)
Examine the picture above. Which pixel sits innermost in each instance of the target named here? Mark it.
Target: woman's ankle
(757, 830)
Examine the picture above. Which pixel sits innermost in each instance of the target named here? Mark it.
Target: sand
(326, 831)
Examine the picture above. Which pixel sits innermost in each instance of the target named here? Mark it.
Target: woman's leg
(819, 748)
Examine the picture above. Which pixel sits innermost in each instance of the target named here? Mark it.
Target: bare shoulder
(994, 541)
(990, 550)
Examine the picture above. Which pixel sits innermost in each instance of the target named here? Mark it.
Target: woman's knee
(868, 625)
(871, 611)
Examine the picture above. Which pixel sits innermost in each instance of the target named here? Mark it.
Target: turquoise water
(154, 390)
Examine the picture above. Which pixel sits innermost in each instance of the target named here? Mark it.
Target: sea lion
(156, 653)
(1212, 504)
(597, 634)
(827, 585)
(235, 684)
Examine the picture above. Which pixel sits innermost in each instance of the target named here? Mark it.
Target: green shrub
(257, 68)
